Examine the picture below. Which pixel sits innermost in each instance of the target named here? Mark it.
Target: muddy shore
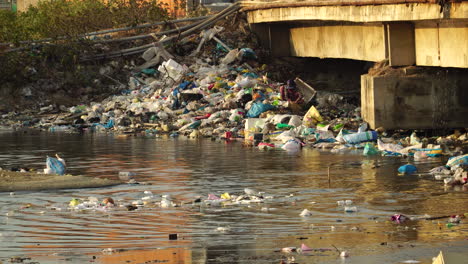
(32, 181)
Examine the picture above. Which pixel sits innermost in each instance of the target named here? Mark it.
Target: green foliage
(71, 18)
(8, 27)
(55, 19)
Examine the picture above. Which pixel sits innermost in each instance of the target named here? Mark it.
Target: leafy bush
(70, 18)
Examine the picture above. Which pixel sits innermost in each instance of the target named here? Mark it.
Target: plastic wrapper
(312, 117)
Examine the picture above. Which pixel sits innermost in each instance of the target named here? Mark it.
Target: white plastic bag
(292, 145)
(230, 57)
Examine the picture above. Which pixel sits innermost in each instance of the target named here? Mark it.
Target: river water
(251, 233)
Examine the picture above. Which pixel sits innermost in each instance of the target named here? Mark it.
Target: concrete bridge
(424, 33)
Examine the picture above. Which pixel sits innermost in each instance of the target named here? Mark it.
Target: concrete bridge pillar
(400, 43)
(416, 98)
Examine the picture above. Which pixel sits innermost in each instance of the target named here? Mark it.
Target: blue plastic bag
(458, 160)
(407, 169)
(55, 166)
(248, 53)
(258, 108)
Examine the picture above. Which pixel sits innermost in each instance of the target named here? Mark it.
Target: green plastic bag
(283, 126)
(370, 149)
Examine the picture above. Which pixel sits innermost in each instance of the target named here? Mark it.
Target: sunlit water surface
(250, 233)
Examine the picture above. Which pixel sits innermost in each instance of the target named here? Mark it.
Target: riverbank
(11, 181)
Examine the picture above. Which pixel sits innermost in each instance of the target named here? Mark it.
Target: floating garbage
(292, 145)
(398, 218)
(344, 202)
(305, 248)
(350, 209)
(55, 166)
(407, 169)
(305, 213)
(370, 149)
(289, 249)
(458, 160)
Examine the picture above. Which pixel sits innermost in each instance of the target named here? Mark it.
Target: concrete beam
(400, 44)
(423, 101)
(363, 13)
(359, 42)
(442, 44)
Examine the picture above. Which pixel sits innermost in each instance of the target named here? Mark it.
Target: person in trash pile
(290, 93)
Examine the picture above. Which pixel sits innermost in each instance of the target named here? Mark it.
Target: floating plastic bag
(55, 166)
(258, 108)
(312, 117)
(407, 169)
(395, 148)
(458, 160)
(292, 145)
(370, 149)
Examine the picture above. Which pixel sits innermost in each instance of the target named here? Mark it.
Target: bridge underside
(419, 34)
(424, 43)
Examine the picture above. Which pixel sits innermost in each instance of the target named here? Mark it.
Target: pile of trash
(218, 91)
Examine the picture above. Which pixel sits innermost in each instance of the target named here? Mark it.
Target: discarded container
(307, 91)
(407, 169)
(360, 137)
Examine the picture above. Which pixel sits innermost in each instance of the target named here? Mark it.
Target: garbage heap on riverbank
(209, 85)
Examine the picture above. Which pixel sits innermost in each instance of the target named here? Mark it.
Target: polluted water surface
(199, 201)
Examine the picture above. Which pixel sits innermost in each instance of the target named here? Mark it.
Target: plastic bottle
(360, 137)
(60, 129)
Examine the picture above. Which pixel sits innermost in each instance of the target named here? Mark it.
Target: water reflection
(186, 169)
